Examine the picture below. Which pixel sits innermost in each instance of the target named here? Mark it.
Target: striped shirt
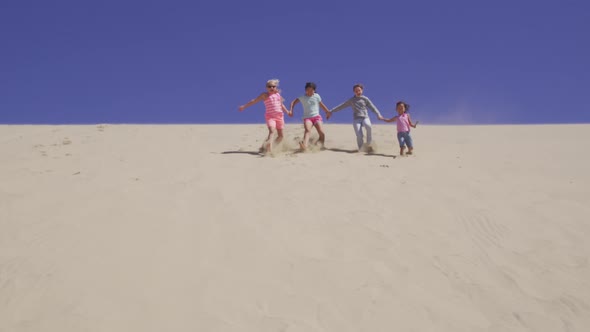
(273, 104)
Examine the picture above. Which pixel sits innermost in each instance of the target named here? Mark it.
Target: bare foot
(302, 146)
(265, 149)
(320, 144)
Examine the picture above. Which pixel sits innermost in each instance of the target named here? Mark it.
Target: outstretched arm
(328, 113)
(373, 108)
(285, 109)
(391, 120)
(324, 107)
(413, 125)
(252, 102)
(342, 106)
(293, 103)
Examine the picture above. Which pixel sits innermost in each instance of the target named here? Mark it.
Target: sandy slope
(186, 228)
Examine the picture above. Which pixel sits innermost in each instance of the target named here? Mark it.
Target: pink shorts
(313, 119)
(275, 121)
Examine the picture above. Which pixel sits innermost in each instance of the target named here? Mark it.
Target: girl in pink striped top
(275, 121)
(404, 122)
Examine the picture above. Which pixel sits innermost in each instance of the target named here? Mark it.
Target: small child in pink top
(275, 121)
(404, 122)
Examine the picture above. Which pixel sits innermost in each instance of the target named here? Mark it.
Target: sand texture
(188, 228)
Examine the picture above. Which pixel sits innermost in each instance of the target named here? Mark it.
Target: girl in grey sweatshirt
(359, 104)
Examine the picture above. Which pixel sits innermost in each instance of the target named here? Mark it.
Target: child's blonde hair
(273, 81)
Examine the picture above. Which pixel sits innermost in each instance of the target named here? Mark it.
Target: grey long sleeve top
(359, 106)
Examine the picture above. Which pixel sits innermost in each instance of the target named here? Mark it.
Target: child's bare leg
(268, 142)
(401, 150)
(279, 136)
(410, 149)
(264, 146)
(318, 127)
(307, 127)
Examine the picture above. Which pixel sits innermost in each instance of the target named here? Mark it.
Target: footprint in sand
(38, 147)
(483, 230)
(447, 269)
(573, 304)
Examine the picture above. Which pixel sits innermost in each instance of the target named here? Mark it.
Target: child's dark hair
(406, 105)
(310, 85)
(358, 85)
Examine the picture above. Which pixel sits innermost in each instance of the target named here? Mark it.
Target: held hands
(381, 118)
(290, 113)
(328, 115)
(241, 108)
(416, 124)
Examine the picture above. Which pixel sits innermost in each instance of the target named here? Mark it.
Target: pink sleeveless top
(403, 124)
(273, 104)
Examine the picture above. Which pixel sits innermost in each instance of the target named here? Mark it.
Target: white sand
(185, 228)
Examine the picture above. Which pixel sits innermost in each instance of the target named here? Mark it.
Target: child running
(311, 102)
(275, 121)
(359, 104)
(404, 122)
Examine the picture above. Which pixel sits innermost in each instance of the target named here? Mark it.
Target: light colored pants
(358, 129)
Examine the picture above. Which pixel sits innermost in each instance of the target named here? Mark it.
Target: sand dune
(188, 228)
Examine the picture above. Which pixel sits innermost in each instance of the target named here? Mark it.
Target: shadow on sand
(341, 150)
(381, 155)
(253, 153)
(297, 151)
(364, 153)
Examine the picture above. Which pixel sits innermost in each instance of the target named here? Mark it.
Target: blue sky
(132, 61)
